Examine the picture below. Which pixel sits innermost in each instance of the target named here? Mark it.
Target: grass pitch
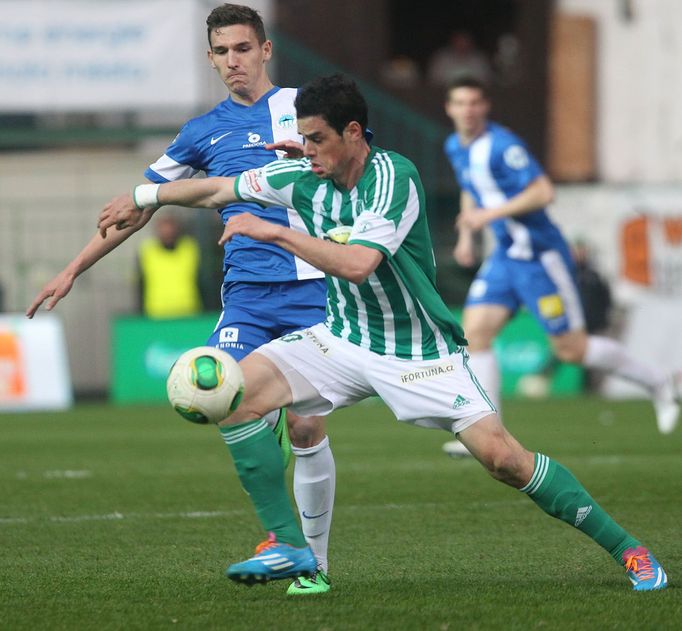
(124, 518)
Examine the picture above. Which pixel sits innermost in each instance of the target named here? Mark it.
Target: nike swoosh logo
(314, 516)
(215, 140)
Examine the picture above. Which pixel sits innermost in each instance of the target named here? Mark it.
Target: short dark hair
(335, 98)
(468, 81)
(230, 14)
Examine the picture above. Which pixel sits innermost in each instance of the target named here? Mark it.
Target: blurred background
(91, 92)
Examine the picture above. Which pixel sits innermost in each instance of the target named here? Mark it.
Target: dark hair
(230, 14)
(467, 81)
(335, 98)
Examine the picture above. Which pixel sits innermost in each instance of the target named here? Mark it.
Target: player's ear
(354, 131)
(267, 50)
(209, 54)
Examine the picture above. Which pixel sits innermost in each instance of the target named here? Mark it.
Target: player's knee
(305, 431)
(570, 353)
(505, 464)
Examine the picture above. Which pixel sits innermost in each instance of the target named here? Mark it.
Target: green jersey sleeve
(394, 199)
(272, 184)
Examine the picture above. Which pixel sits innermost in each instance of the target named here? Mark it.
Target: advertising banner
(74, 55)
(144, 350)
(34, 368)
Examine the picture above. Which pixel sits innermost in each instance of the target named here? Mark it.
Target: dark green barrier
(144, 350)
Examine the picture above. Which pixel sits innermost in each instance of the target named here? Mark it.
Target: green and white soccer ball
(205, 385)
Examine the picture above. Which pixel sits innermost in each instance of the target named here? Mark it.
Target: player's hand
(120, 212)
(250, 226)
(291, 148)
(464, 255)
(474, 219)
(55, 290)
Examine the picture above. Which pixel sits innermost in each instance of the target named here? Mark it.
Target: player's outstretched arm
(126, 210)
(59, 286)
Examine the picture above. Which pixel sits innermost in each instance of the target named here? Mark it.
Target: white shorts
(325, 373)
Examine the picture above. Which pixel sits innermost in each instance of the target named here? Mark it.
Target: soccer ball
(205, 385)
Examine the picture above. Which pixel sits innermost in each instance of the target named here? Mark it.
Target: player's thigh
(322, 370)
(439, 393)
(265, 389)
(482, 322)
(548, 289)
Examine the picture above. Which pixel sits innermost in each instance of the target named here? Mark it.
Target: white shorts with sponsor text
(325, 373)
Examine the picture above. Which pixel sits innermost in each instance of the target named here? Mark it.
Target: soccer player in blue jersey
(267, 291)
(504, 187)
(387, 331)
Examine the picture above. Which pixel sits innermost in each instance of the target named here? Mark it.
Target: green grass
(125, 519)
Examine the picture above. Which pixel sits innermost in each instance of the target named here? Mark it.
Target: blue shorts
(255, 313)
(546, 286)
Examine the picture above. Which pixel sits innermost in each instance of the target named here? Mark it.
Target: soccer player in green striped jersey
(387, 331)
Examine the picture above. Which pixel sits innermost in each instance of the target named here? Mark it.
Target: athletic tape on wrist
(146, 195)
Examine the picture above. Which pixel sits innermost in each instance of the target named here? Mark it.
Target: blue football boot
(273, 561)
(644, 570)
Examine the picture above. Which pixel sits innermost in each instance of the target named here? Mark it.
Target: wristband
(146, 195)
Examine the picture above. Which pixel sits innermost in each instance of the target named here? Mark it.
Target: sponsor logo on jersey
(426, 373)
(582, 514)
(286, 121)
(215, 139)
(516, 157)
(229, 334)
(252, 180)
(254, 140)
(551, 306)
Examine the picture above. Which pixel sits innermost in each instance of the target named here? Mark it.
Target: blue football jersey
(493, 168)
(226, 141)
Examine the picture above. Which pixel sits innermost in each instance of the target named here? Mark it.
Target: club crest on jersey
(516, 157)
(252, 177)
(286, 121)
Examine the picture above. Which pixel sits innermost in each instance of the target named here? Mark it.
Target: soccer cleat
(666, 400)
(456, 449)
(317, 583)
(273, 561)
(281, 433)
(644, 570)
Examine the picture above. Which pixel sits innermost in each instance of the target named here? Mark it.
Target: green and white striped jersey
(397, 310)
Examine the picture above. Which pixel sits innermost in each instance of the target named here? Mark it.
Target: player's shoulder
(289, 169)
(503, 136)
(452, 143)
(387, 160)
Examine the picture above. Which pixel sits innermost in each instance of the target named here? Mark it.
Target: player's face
(468, 109)
(329, 152)
(239, 59)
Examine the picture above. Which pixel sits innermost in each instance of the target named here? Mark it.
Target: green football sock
(259, 464)
(557, 492)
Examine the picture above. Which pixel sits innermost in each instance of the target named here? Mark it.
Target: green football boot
(317, 583)
(282, 435)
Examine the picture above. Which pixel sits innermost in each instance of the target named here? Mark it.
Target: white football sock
(271, 418)
(484, 366)
(314, 487)
(611, 356)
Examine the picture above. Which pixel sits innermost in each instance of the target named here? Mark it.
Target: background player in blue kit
(504, 187)
(267, 292)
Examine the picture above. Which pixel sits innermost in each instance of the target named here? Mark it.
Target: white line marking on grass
(68, 474)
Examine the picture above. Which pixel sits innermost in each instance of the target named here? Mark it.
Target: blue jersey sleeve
(181, 160)
(513, 164)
